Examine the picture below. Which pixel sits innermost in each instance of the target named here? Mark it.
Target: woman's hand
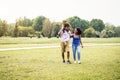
(82, 46)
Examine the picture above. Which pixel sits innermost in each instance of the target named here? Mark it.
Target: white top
(65, 36)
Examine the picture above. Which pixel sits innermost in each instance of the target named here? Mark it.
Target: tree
(107, 33)
(109, 26)
(74, 22)
(25, 31)
(103, 34)
(1, 31)
(97, 24)
(77, 22)
(90, 32)
(24, 22)
(117, 31)
(56, 27)
(38, 23)
(11, 28)
(47, 28)
(15, 33)
(3, 28)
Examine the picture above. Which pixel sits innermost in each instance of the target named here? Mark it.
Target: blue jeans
(76, 47)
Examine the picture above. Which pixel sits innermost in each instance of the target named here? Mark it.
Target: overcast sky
(58, 10)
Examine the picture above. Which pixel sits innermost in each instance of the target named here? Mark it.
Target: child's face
(66, 28)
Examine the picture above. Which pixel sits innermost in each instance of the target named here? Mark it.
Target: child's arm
(81, 41)
(71, 34)
(60, 30)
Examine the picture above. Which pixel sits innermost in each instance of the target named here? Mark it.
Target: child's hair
(79, 31)
(66, 25)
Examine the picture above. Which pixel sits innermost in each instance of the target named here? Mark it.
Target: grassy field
(7, 42)
(98, 62)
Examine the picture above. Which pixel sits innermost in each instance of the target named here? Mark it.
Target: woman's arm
(81, 41)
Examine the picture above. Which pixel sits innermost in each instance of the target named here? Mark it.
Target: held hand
(82, 46)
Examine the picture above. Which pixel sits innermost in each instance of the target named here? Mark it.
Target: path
(41, 47)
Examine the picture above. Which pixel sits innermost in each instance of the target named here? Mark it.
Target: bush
(25, 31)
(90, 32)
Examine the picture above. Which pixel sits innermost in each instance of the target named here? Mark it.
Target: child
(76, 44)
(65, 37)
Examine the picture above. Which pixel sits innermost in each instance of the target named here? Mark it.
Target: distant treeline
(43, 27)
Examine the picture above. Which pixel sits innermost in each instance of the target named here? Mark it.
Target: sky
(58, 10)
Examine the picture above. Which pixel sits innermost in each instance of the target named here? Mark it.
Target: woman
(76, 44)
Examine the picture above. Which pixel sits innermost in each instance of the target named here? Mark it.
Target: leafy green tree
(90, 32)
(77, 22)
(97, 24)
(109, 26)
(117, 31)
(3, 28)
(107, 33)
(56, 27)
(24, 22)
(25, 31)
(38, 23)
(74, 22)
(104, 34)
(15, 32)
(11, 29)
(47, 28)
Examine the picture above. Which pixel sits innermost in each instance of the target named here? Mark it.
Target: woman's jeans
(76, 48)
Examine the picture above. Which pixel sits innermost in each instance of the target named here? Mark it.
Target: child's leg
(63, 57)
(74, 52)
(63, 50)
(68, 55)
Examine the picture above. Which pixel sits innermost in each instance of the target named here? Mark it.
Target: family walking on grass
(65, 33)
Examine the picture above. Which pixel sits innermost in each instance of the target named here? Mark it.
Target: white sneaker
(79, 62)
(75, 62)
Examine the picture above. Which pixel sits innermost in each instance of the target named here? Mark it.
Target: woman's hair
(79, 32)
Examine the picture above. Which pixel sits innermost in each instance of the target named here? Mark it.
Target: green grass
(7, 42)
(98, 63)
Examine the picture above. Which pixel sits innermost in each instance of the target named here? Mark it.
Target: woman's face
(75, 31)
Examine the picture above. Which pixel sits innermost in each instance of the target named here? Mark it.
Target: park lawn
(98, 63)
(8, 42)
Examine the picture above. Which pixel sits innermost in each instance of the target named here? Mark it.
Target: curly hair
(79, 31)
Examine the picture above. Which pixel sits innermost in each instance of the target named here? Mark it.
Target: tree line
(43, 27)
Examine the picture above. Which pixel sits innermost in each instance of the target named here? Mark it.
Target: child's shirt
(65, 36)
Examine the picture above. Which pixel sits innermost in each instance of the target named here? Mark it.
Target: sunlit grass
(7, 42)
(98, 63)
